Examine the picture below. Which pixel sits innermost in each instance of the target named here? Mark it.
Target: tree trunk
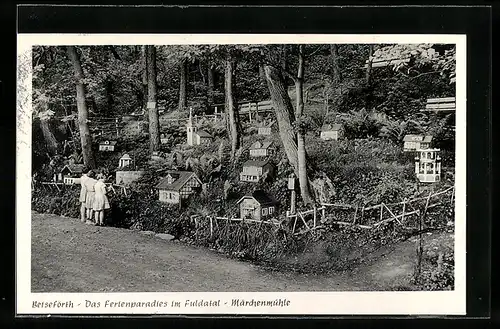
(85, 138)
(50, 140)
(284, 113)
(154, 124)
(230, 106)
(337, 74)
(144, 77)
(109, 96)
(262, 73)
(369, 65)
(183, 86)
(210, 79)
(301, 148)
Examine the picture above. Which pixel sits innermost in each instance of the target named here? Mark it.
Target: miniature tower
(428, 165)
(191, 130)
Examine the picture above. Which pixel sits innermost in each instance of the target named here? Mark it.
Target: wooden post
(314, 216)
(381, 211)
(211, 227)
(292, 206)
(323, 213)
(116, 125)
(294, 224)
(404, 208)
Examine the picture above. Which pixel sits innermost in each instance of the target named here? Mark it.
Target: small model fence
(410, 215)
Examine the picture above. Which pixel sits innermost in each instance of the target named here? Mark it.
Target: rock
(165, 236)
(147, 232)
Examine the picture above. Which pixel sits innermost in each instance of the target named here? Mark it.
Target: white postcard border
(330, 303)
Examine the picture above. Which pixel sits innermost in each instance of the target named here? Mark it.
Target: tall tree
(210, 83)
(368, 73)
(154, 124)
(232, 115)
(144, 63)
(293, 143)
(301, 148)
(85, 138)
(334, 54)
(183, 84)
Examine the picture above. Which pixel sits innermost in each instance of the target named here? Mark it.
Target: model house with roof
(177, 186)
(415, 142)
(70, 174)
(260, 149)
(125, 161)
(428, 165)
(107, 146)
(195, 136)
(253, 171)
(265, 129)
(163, 139)
(257, 206)
(332, 131)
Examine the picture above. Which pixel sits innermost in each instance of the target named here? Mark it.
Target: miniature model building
(253, 171)
(107, 146)
(257, 206)
(195, 136)
(415, 142)
(70, 174)
(428, 165)
(260, 149)
(163, 139)
(332, 132)
(265, 130)
(125, 161)
(178, 185)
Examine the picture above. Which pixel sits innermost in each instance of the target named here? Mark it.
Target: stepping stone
(165, 236)
(147, 232)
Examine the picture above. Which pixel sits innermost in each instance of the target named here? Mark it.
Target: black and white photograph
(251, 163)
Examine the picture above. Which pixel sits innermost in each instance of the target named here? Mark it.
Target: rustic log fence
(372, 217)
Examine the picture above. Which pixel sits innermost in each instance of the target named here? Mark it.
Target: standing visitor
(90, 194)
(83, 195)
(101, 202)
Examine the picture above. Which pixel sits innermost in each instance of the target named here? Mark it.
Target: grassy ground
(68, 256)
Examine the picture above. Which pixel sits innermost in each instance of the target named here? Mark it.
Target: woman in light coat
(83, 196)
(89, 184)
(101, 201)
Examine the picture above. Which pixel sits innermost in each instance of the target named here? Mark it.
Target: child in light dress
(101, 202)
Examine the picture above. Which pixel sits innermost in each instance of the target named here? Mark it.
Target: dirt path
(68, 256)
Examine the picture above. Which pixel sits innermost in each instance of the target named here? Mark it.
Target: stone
(147, 232)
(165, 236)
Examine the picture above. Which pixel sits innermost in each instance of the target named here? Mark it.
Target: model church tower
(191, 130)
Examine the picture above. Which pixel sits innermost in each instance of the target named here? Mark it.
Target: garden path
(69, 256)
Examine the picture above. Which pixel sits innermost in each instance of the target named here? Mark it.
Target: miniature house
(163, 139)
(428, 165)
(332, 132)
(260, 149)
(415, 142)
(202, 137)
(195, 137)
(108, 146)
(70, 174)
(253, 171)
(258, 206)
(177, 185)
(265, 130)
(125, 161)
